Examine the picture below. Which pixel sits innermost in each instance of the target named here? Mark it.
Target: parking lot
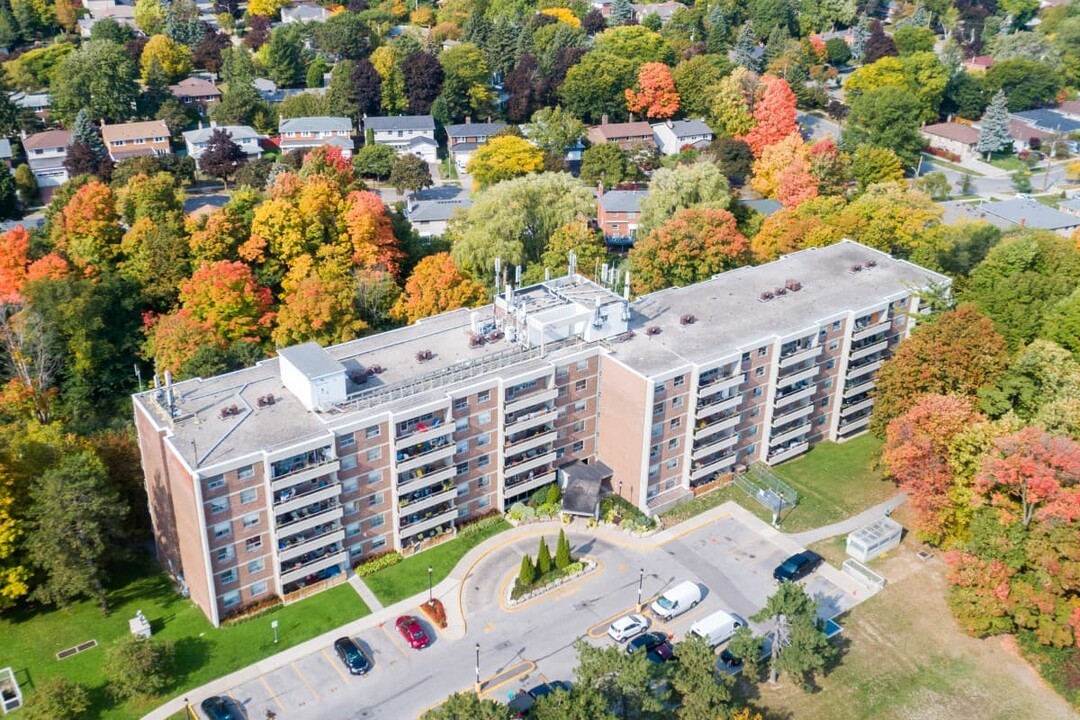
(732, 558)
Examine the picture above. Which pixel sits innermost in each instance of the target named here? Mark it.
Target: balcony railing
(530, 418)
(864, 386)
(797, 377)
(871, 330)
(327, 561)
(706, 428)
(711, 446)
(850, 426)
(848, 410)
(707, 468)
(305, 474)
(280, 469)
(868, 350)
(714, 405)
(798, 356)
(520, 401)
(532, 462)
(427, 497)
(790, 416)
(417, 437)
(425, 477)
(324, 491)
(782, 454)
(794, 396)
(863, 369)
(720, 383)
(530, 440)
(435, 520)
(431, 455)
(790, 434)
(529, 483)
(302, 546)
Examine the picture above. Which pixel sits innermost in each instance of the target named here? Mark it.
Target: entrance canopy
(582, 487)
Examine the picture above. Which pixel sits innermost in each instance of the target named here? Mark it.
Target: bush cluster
(380, 562)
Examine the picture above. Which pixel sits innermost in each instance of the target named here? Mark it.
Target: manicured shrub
(527, 574)
(380, 562)
(543, 559)
(562, 551)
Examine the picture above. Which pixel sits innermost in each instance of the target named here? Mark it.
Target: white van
(717, 628)
(677, 600)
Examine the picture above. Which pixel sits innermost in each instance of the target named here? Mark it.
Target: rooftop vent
(765, 296)
(229, 411)
(653, 330)
(266, 400)
(871, 263)
(780, 291)
(374, 369)
(360, 377)
(494, 335)
(626, 336)
(687, 320)
(424, 355)
(476, 341)
(856, 268)
(793, 285)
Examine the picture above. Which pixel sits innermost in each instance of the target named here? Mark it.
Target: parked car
(413, 632)
(352, 656)
(677, 600)
(221, 707)
(730, 660)
(717, 628)
(797, 566)
(523, 700)
(627, 627)
(654, 644)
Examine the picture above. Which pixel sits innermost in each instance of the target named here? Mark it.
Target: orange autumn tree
(436, 285)
(88, 233)
(783, 172)
(811, 224)
(774, 113)
(320, 307)
(371, 233)
(655, 96)
(695, 244)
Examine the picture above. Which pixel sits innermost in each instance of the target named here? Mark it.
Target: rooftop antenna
(573, 263)
(547, 274)
(517, 275)
(169, 393)
(603, 274)
(138, 375)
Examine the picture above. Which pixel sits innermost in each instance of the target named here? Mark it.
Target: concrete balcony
(302, 548)
(871, 330)
(317, 495)
(417, 438)
(792, 398)
(313, 567)
(792, 415)
(434, 521)
(520, 446)
(427, 479)
(308, 473)
(788, 453)
(798, 377)
(864, 369)
(428, 457)
(797, 432)
(309, 521)
(710, 447)
(799, 355)
(848, 427)
(720, 384)
(530, 464)
(714, 466)
(520, 402)
(431, 500)
(869, 350)
(856, 407)
(531, 420)
(859, 389)
(529, 485)
(717, 426)
(718, 407)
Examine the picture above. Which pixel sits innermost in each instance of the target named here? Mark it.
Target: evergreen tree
(621, 12)
(501, 44)
(562, 551)
(182, 22)
(717, 40)
(859, 33)
(475, 29)
(745, 44)
(800, 649)
(10, 35)
(527, 574)
(9, 200)
(994, 126)
(283, 62)
(87, 154)
(543, 558)
(86, 132)
(776, 45)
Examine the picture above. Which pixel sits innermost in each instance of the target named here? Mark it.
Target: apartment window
(679, 381)
(463, 490)
(578, 446)
(461, 404)
(251, 520)
(746, 357)
(658, 429)
(660, 387)
(750, 449)
(582, 365)
(563, 391)
(356, 550)
(461, 424)
(651, 492)
(562, 373)
(821, 420)
(253, 543)
(483, 502)
(658, 409)
(224, 553)
(257, 589)
(249, 496)
(830, 364)
(483, 461)
(376, 521)
(462, 446)
(654, 471)
(351, 507)
(215, 483)
(483, 482)
(824, 402)
(672, 463)
(581, 385)
(654, 451)
(231, 599)
(760, 371)
(579, 426)
(374, 454)
(561, 412)
(673, 444)
(579, 406)
(463, 468)
(677, 402)
(375, 500)
(836, 325)
(378, 543)
(828, 382)
(349, 461)
(482, 440)
(352, 529)
(256, 566)
(347, 440)
(350, 485)
(559, 453)
(228, 577)
(675, 423)
(483, 418)
(374, 477)
(756, 393)
(834, 344)
(462, 511)
(763, 351)
(751, 431)
(245, 472)
(372, 432)
(219, 505)
(669, 483)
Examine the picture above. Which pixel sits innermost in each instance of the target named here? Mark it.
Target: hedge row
(380, 562)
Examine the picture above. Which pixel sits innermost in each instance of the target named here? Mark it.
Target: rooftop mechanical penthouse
(276, 479)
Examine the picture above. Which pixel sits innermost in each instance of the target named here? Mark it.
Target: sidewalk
(852, 523)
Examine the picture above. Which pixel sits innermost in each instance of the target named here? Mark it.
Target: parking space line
(394, 641)
(335, 665)
(493, 683)
(306, 681)
(273, 695)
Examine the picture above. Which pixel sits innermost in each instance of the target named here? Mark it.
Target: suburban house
(304, 12)
(430, 209)
(674, 135)
(307, 133)
(1025, 136)
(122, 13)
(978, 64)
(413, 134)
(625, 135)
(6, 153)
(1050, 120)
(952, 137)
(463, 140)
(1070, 206)
(604, 6)
(271, 93)
(150, 137)
(1028, 213)
(37, 103)
(195, 140)
(45, 154)
(663, 10)
(1069, 108)
(195, 91)
(617, 214)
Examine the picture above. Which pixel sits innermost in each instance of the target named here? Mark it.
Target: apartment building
(276, 479)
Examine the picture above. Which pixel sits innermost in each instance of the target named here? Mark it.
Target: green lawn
(410, 576)
(834, 481)
(692, 508)
(1007, 162)
(31, 639)
(941, 162)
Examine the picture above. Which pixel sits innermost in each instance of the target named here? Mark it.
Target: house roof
(47, 139)
(5, 148)
(1019, 130)
(236, 132)
(663, 10)
(953, 131)
(1072, 205)
(686, 128)
(403, 122)
(1069, 107)
(982, 61)
(626, 201)
(474, 129)
(764, 206)
(1048, 119)
(135, 130)
(616, 131)
(437, 210)
(315, 124)
(304, 12)
(1030, 213)
(194, 87)
(421, 140)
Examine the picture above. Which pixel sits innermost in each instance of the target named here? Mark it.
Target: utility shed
(872, 540)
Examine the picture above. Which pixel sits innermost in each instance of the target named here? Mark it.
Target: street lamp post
(273, 624)
(640, 583)
(429, 584)
(477, 668)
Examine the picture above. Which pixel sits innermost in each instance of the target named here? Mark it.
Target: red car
(413, 632)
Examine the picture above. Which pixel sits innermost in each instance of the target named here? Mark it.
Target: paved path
(852, 523)
(365, 593)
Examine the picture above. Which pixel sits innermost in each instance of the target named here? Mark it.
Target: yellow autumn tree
(172, 57)
(265, 8)
(562, 14)
(503, 158)
(437, 285)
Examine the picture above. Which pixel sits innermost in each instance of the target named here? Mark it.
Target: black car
(521, 704)
(730, 660)
(352, 656)
(221, 707)
(548, 688)
(797, 566)
(655, 644)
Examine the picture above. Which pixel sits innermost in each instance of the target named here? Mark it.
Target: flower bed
(550, 581)
(252, 610)
(435, 612)
(379, 562)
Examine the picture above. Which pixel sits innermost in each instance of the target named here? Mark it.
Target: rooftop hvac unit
(780, 291)
(423, 355)
(687, 320)
(793, 285)
(856, 268)
(653, 330)
(267, 400)
(871, 263)
(766, 296)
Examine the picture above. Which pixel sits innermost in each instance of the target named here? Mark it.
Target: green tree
(76, 520)
(627, 682)
(635, 43)
(543, 558)
(887, 117)
(9, 199)
(527, 574)
(911, 39)
(589, 250)
(605, 163)
(746, 646)
(554, 130)
(26, 186)
(994, 128)
(799, 648)
(696, 80)
(57, 698)
(703, 695)
(467, 706)
(1027, 83)
(100, 77)
(284, 64)
(149, 16)
(872, 165)
(594, 86)
(410, 173)
(699, 184)
(562, 551)
(375, 161)
(138, 667)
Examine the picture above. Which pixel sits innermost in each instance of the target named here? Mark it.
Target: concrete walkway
(365, 593)
(852, 523)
